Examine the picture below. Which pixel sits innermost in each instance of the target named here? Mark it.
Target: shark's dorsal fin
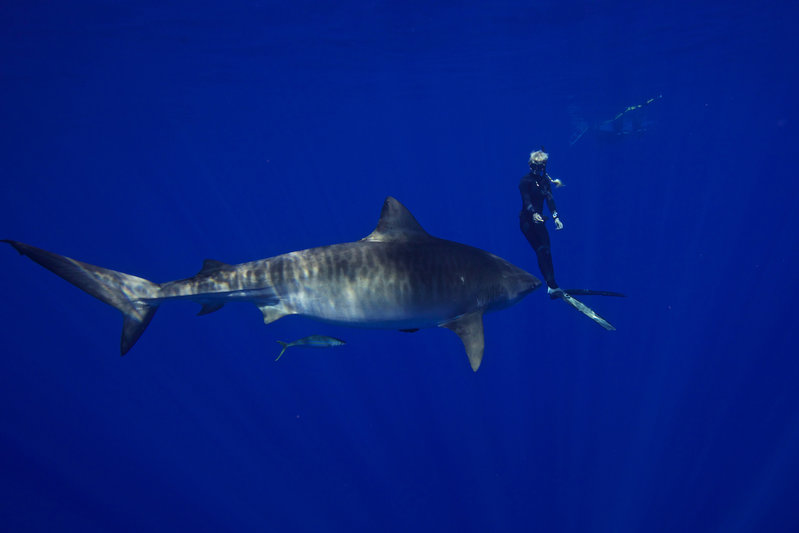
(469, 328)
(396, 224)
(212, 265)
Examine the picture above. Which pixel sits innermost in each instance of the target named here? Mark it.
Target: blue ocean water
(148, 136)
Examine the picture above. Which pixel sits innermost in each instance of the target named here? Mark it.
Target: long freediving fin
(587, 311)
(590, 292)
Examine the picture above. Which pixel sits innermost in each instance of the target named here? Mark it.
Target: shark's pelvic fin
(396, 224)
(272, 313)
(129, 294)
(469, 328)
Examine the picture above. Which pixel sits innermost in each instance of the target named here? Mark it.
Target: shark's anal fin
(469, 328)
(210, 308)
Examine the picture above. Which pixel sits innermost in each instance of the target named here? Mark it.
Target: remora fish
(312, 341)
(397, 277)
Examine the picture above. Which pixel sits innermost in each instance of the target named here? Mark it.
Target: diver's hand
(558, 224)
(537, 218)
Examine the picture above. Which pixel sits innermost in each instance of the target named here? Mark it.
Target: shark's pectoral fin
(210, 308)
(272, 312)
(469, 328)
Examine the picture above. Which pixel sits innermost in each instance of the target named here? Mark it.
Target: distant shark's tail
(135, 297)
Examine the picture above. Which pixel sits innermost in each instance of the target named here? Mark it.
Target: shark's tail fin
(135, 297)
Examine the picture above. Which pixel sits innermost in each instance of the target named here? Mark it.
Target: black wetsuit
(536, 189)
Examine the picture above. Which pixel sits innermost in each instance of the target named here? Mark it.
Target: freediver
(536, 189)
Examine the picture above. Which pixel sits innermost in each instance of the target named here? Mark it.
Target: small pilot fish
(314, 341)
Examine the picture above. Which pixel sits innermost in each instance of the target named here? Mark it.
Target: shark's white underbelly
(364, 307)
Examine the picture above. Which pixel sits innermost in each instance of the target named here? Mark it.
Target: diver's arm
(546, 190)
(555, 181)
(551, 204)
(553, 209)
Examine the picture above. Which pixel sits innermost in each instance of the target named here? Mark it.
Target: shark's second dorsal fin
(212, 265)
(396, 224)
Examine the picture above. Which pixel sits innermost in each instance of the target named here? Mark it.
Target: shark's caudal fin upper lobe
(133, 296)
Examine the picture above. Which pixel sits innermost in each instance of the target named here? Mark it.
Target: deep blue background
(145, 138)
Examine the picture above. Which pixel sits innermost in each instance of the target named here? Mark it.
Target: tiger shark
(397, 277)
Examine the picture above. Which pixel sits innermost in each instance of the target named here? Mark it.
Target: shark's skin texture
(397, 277)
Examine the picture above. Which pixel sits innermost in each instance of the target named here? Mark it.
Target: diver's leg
(544, 255)
(538, 237)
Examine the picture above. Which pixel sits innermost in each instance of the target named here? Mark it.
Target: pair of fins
(568, 297)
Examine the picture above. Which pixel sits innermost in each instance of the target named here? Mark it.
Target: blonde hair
(539, 157)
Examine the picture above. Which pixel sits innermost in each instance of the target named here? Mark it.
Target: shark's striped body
(398, 277)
